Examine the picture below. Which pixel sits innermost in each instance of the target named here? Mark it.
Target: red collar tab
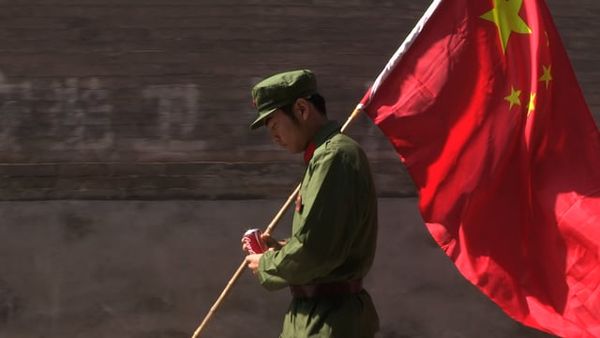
(309, 151)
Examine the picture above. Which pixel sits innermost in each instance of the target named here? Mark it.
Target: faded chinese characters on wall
(82, 114)
(11, 110)
(177, 109)
(43, 118)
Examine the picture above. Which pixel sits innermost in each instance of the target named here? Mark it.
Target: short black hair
(319, 102)
(316, 99)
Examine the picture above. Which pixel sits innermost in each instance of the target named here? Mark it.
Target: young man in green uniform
(334, 227)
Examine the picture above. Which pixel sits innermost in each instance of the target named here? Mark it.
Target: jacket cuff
(266, 279)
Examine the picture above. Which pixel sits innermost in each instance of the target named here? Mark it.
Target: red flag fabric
(483, 107)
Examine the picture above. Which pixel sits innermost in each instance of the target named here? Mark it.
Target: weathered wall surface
(135, 269)
(150, 98)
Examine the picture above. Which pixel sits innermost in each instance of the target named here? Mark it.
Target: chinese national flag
(484, 109)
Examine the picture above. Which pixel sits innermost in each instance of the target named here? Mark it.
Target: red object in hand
(253, 241)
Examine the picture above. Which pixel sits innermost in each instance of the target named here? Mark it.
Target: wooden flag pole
(268, 231)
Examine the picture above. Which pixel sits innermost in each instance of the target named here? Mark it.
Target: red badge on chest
(299, 203)
(309, 152)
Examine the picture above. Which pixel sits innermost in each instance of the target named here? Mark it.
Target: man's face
(286, 132)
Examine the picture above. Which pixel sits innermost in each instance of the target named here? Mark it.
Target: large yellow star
(505, 15)
(531, 106)
(547, 76)
(513, 98)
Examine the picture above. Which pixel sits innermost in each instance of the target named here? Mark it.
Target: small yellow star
(513, 98)
(531, 106)
(505, 15)
(547, 76)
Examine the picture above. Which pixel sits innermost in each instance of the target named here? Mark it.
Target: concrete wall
(150, 98)
(135, 269)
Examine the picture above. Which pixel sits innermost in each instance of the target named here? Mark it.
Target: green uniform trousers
(347, 316)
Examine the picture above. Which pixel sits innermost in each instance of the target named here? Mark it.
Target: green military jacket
(333, 239)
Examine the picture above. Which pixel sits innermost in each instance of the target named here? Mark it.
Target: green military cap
(280, 90)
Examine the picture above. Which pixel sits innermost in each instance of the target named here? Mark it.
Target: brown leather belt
(327, 289)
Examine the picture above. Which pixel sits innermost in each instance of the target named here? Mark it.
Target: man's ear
(302, 109)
